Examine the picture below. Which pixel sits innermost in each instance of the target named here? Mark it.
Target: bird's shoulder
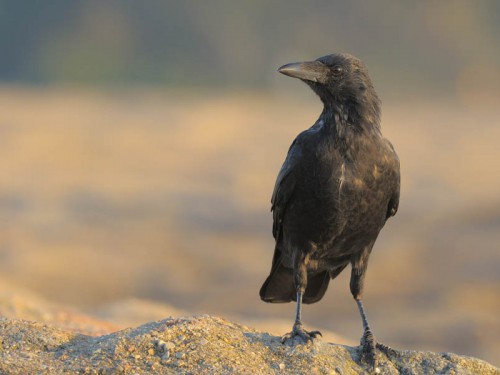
(291, 162)
(391, 152)
(380, 152)
(303, 144)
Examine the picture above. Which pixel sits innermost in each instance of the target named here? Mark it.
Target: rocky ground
(200, 345)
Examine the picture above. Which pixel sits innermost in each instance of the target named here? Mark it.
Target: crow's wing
(279, 286)
(285, 182)
(284, 187)
(394, 201)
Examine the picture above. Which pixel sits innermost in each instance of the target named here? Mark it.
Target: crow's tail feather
(279, 287)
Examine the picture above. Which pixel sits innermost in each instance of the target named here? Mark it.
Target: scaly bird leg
(368, 342)
(298, 330)
(300, 279)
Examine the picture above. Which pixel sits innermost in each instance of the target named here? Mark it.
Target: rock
(221, 347)
(179, 355)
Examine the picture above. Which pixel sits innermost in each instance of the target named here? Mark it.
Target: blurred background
(140, 141)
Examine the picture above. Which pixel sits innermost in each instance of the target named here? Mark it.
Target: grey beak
(314, 71)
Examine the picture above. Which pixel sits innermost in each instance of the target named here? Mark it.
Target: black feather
(337, 187)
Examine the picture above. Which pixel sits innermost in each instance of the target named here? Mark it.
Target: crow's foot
(388, 351)
(299, 331)
(368, 351)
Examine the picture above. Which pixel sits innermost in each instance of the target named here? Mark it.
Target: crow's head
(343, 84)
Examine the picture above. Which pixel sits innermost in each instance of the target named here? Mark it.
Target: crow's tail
(279, 287)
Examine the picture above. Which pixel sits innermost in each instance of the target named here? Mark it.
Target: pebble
(169, 345)
(159, 343)
(282, 366)
(164, 361)
(163, 347)
(179, 355)
(178, 363)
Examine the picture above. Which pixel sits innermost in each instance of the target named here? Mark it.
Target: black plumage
(336, 189)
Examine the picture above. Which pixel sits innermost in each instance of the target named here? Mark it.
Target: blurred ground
(106, 196)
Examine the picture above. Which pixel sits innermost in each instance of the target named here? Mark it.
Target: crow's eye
(337, 70)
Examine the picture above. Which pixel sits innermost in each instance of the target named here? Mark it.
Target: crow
(336, 189)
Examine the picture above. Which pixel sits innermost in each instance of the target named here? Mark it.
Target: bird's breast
(348, 196)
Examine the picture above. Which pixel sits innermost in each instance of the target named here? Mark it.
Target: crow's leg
(298, 330)
(368, 342)
(300, 279)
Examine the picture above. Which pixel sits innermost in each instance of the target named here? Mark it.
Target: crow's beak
(314, 71)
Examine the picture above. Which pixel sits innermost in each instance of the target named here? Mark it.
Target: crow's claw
(387, 350)
(299, 331)
(368, 351)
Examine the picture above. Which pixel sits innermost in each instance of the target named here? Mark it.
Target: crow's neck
(344, 121)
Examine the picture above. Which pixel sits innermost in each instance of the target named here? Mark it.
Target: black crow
(336, 189)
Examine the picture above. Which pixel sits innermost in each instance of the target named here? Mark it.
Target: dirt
(200, 345)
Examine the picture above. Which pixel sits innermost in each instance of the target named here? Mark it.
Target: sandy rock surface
(200, 345)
